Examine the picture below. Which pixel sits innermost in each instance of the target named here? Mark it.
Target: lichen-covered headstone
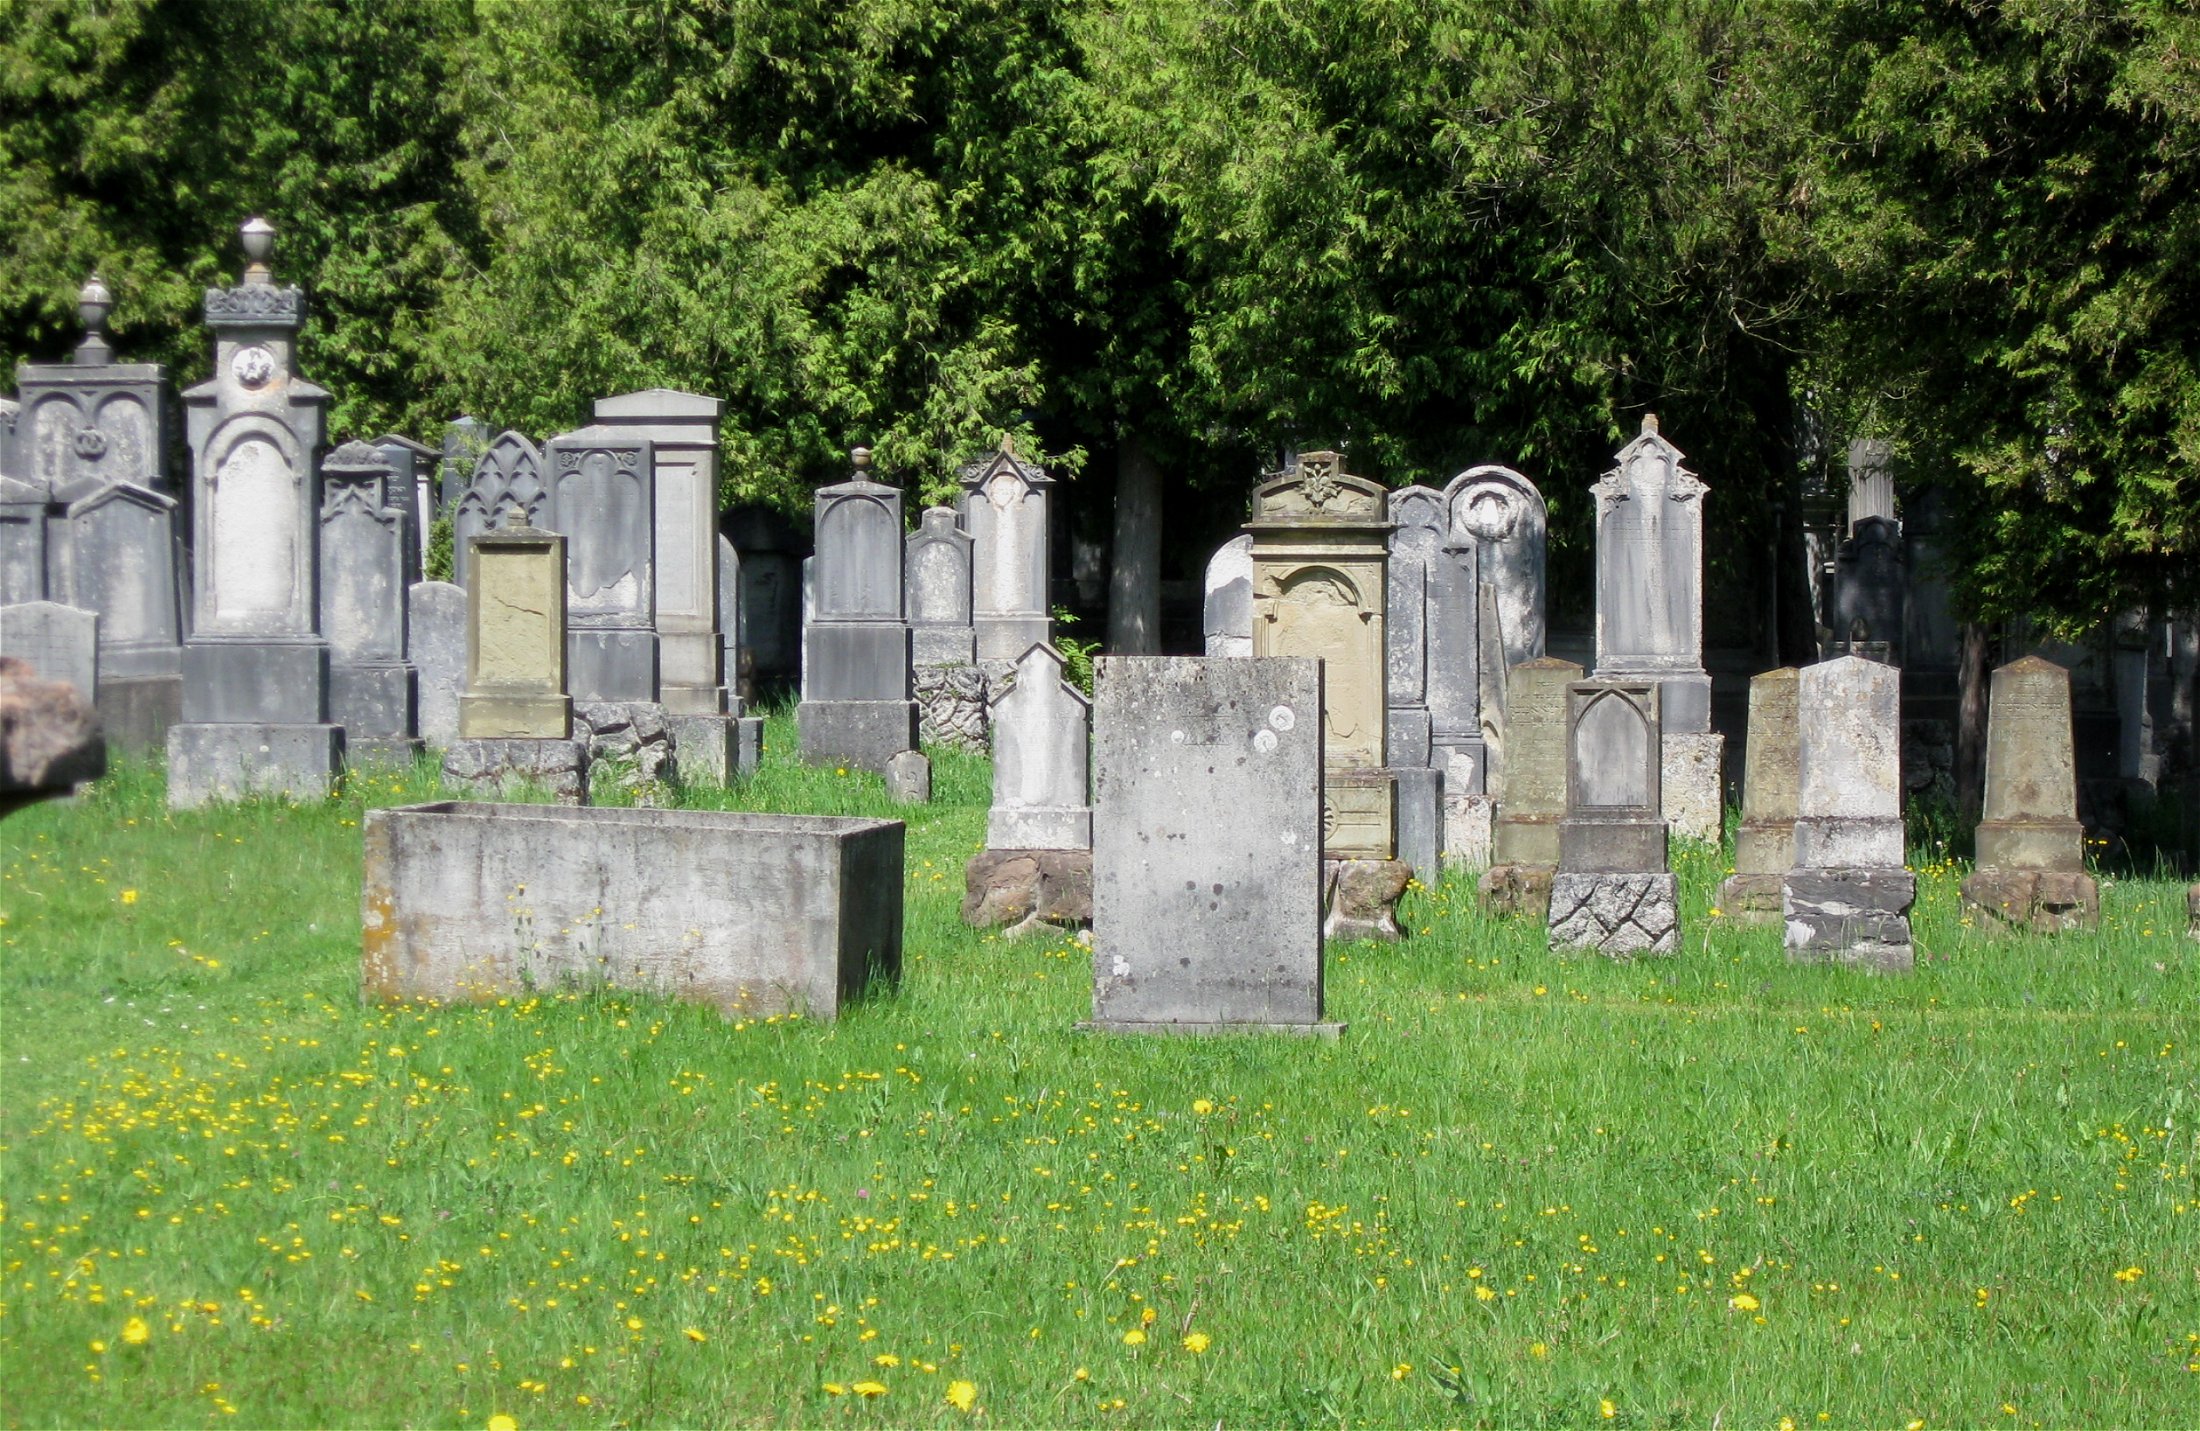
(2031, 848)
(1764, 847)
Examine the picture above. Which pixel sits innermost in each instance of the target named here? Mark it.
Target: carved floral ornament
(255, 301)
(626, 460)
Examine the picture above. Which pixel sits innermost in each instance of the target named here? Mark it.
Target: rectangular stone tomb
(750, 913)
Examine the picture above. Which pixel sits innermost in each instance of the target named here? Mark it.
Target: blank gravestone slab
(1207, 836)
(61, 643)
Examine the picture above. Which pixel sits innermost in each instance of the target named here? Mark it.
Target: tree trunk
(1971, 677)
(1134, 584)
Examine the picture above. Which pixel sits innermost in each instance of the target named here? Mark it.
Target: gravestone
(1041, 729)
(10, 412)
(1764, 846)
(1613, 892)
(435, 642)
(93, 422)
(364, 554)
(59, 643)
(855, 705)
(1848, 896)
(602, 485)
(23, 520)
(1005, 508)
(682, 430)
(1418, 528)
(515, 719)
(1227, 613)
(507, 475)
(256, 667)
(1871, 586)
(415, 492)
(1207, 830)
(938, 575)
(2031, 848)
(115, 550)
(732, 643)
(772, 550)
(1649, 623)
(1532, 797)
(1500, 516)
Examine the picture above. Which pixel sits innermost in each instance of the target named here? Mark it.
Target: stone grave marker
(1612, 891)
(1005, 508)
(938, 573)
(2031, 849)
(364, 554)
(1500, 516)
(856, 705)
(602, 500)
(417, 467)
(435, 642)
(1036, 868)
(1227, 613)
(1532, 798)
(1848, 896)
(682, 430)
(515, 719)
(1764, 847)
(508, 474)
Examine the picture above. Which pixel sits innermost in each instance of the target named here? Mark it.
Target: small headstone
(1533, 798)
(1764, 847)
(1041, 760)
(1848, 897)
(1228, 609)
(1207, 830)
(415, 492)
(2031, 848)
(59, 643)
(363, 559)
(515, 637)
(937, 572)
(435, 640)
(856, 705)
(1005, 506)
(1612, 891)
(602, 486)
(909, 778)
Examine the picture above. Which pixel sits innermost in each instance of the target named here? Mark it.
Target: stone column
(256, 669)
(1764, 847)
(1532, 799)
(1848, 897)
(1649, 543)
(1227, 612)
(682, 429)
(855, 679)
(1005, 507)
(364, 541)
(515, 719)
(602, 499)
(1612, 891)
(2031, 848)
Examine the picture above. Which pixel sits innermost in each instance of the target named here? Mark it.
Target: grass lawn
(1521, 1190)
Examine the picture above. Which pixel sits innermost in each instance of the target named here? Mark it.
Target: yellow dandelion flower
(1743, 1302)
(962, 1395)
(834, 1388)
(1083, 1373)
(502, 1422)
(1606, 1409)
(633, 1324)
(1401, 1371)
(1538, 1350)
(869, 1388)
(1197, 1342)
(2131, 1274)
(886, 1359)
(1787, 1423)
(135, 1333)
(129, 896)
(1484, 1294)
(694, 1335)
(1202, 1106)
(1136, 1336)
(1147, 1317)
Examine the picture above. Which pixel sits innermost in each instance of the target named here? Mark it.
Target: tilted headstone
(855, 678)
(1764, 846)
(1848, 897)
(602, 488)
(1499, 515)
(682, 429)
(1649, 546)
(1320, 539)
(515, 637)
(1207, 833)
(1042, 737)
(1533, 798)
(1005, 508)
(364, 539)
(937, 572)
(1612, 891)
(435, 642)
(507, 475)
(256, 668)
(1227, 614)
(61, 643)
(2031, 848)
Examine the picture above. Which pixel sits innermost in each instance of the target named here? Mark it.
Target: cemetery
(723, 902)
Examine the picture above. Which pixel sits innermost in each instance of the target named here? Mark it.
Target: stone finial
(1649, 424)
(861, 457)
(93, 304)
(258, 237)
(514, 518)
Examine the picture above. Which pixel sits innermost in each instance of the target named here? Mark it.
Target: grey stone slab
(603, 489)
(909, 778)
(1470, 831)
(1615, 914)
(611, 665)
(937, 577)
(61, 643)
(1771, 776)
(1420, 803)
(1500, 516)
(1649, 595)
(682, 429)
(255, 682)
(374, 702)
(436, 643)
(739, 666)
(856, 661)
(414, 491)
(1227, 614)
(1850, 916)
(2031, 807)
(1850, 730)
(24, 523)
(362, 537)
(211, 763)
(507, 475)
(1848, 841)
(1041, 730)
(751, 914)
(857, 569)
(1614, 821)
(707, 748)
(866, 735)
(1005, 510)
(1692, 783)
(1207, 833)
(1419, 524)
(136, 711)
(519, 769)
(1533, 793)
(388, 752)
(116, 551)
(88, 425)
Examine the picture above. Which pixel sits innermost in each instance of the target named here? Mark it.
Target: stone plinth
(515, 638)
(1517, 889)
(2039, 901)
(1693, 793)
(1848, 896)
(1618, 915)
(950, 705)
(1612, 891)
(1764, 845)
(752, 914)
(716, 750)
(435, 642)
(630, 743)
(552, 770)
(1850, 916)
(1470, 827)
(865, 735)
(1424, 821)
(1027, 890)
(236, 761)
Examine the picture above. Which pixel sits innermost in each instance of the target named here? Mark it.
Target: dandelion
(1197, 1342)
(1083, 1373)
(1482, 1293)
(694, 1335)
(633, 1324)
(869, 1388)
(135, 1333)
(1538, 1350)
(886, 1359)
(1203, 1106)
(1401, 1371)
(834, 1388)
(1606, 1409)
(962, 1395)
(1135, 1337)
(2131, 1274)
(502, 1422)
(1743, 1302)
(129, 896)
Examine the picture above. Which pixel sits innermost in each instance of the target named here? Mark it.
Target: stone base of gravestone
(1517, 889)
(2041, 901)
(394, 752)
(1038, 827)
(1765, 847)
(136, 711)
(1524, 840)
(1470, 831)
(207, 763)
(716, 750)
(1360, 898)
(1406, 741)
(1360, 811)
(1028, 890)
(255, 683)
(2031, 845)
(1421, 821)
(1850, 916)
(555, 771)
(909, 778)
(50, 738)
(371, 701)
(1751, 898)
(1620, 915)
(605, 665)
(866, 735)
(950, 706)
(629, 742)
(1691, 793)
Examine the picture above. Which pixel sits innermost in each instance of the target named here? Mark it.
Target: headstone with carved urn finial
(856, 707)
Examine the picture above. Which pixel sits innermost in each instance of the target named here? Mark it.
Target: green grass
(326, 1213)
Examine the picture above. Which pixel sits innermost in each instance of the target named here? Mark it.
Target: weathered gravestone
(945, 679)
(1500, 515)
(23, 520)
(1037, 864)
(1848, 897)
(59, 643)
(1227, 613)
(435, 641)
(602, 500)
(855, 679)
(2031, 848)
(256, 669)
(515, 720)
(1005, 508)
(1532, 796)
(1612, 891)
(364, 554)
(1649, 626)
(1764, 847)
(415, 467)
(507, 476)
(1418, 568)
(1207, 830)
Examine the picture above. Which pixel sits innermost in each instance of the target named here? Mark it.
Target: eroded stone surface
(1517, 889)
(49, 735)
(2042, 901)
(629, 742)
(1850, 916)
(951, 706)
(1360, 898)
(1025, 889)
(1751, 898)
(519, 769)
(1615, 914)
(1691, 791)
(909, 778)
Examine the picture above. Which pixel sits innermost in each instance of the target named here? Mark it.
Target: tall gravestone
(1005, 508)
(1207, 835)
(92, 447)
(2031, 848)
(1649, 624)
(1848, 896)
(61, 643)
(365, 545)
(256, 668)
(1613, 892)
(602, 499)
(1764, 846)
(435, 643)
(1419, 570)
(515, 718)
(1532, 795)
(1500, 516)
(856, 705)
(1871, 587)
(1227, 610)
(772, 550)
(507, 476)
(23, 521)
(682, 429)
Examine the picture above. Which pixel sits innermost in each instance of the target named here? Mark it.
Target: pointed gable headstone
(1042, 731)
(363, 536)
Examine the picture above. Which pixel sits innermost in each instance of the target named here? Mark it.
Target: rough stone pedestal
(866, 735)
(1517, 889)
(950, 705)
(504, 769)
(230, 762)
(2042, 901)
(1751, 898)
(1619, 915)
(1850, 916)
(716, 750)
(1469, 825)
(49, 737)
(1691, 793)
(1028, 889)
(631, 738)
(1360, 898)
(909, 778)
